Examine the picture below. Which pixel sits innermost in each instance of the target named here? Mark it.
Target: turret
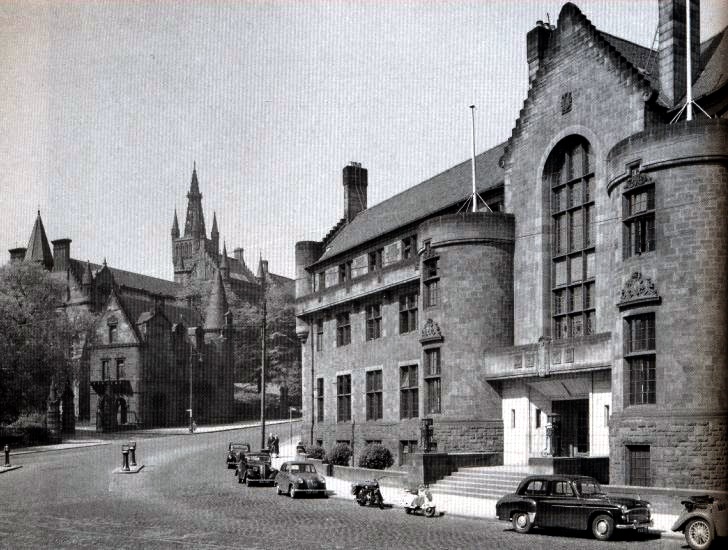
(224, 264)
(38, 249)
(215, 234)
(217, 306)
(175, 226)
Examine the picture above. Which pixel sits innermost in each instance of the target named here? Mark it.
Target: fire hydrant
(132, 450)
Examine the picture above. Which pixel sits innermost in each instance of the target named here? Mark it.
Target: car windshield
(588, 487)
(303, 468)
(239, 447)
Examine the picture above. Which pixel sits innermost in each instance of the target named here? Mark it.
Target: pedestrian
(276, 443)
(270, 444)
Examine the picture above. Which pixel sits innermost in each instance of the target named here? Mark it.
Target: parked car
(571, 502)
(702, 520)
(234, 450)
(257, 468)
(300, 477)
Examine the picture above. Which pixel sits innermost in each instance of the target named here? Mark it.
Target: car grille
(638, 514)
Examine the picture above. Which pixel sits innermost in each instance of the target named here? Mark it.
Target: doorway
(574, 416)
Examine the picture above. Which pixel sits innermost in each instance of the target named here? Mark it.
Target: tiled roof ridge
(631, 76)
(114, 270)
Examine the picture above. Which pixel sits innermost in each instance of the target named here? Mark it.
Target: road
(185, 497)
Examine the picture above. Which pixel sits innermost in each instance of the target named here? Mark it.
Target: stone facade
(591, 305)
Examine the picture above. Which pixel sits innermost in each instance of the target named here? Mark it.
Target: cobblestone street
(185, 497)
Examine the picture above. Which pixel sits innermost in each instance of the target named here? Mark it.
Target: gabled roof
(714, 64)
(38, 249)
(130, 280)
(424, 199)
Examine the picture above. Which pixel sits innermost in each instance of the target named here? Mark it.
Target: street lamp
(262, 365)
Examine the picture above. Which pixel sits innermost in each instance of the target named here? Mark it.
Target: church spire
(217, 307)
(224, 264)
(195, 220)
(38, 248)
(175, 226)
(214, 232)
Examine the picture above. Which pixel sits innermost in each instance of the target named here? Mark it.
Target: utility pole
(262, 366)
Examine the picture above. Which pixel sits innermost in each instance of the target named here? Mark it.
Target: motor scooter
(703, 519)
(367, 493)
(419, 502)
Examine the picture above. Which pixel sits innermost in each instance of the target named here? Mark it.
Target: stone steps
(481, 482)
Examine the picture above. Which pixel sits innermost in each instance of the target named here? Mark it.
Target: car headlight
(299, 481)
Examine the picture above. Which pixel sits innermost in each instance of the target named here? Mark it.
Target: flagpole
(472, 163)
(689, 67)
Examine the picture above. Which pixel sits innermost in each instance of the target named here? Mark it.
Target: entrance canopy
(562, 387)
(112, 387)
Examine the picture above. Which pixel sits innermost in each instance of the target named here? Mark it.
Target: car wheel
(698, 534)
(521, 522)
(407, 510)
(430, 512)
(278, 490)
(291, 491)
(603, 527)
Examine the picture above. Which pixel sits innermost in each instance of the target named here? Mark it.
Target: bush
(340, 454)
(314, 451)
(375, 456)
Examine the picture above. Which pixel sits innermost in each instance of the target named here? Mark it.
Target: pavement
(452, 505)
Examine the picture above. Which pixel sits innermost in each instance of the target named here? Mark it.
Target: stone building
(589, 299)
(149, 341)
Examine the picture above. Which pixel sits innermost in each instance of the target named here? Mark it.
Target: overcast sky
(105, 105)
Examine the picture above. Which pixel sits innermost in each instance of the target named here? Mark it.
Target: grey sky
(105, 105)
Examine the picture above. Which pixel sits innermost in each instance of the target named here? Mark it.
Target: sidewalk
(450, 505)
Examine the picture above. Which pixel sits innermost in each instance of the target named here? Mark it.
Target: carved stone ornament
(638, 179)
(543, 365)
(430, 332)
(638, 290)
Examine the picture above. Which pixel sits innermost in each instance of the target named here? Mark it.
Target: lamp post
(190, 386)
(262, 365)
(290, 421)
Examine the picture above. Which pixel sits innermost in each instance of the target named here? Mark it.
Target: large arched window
(569, 172)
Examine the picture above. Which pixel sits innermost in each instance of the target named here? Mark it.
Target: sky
(106, 105)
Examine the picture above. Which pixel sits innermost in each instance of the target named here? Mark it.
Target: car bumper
(301, 490)
(636, 525)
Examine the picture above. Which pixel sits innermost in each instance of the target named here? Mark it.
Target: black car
(233, 454)
(571, 502)
(299, 478)
(257, 468)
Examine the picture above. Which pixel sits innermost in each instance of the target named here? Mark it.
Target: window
(513, 418)
(343, 329)
(406, 448)
(431, 278)
(640, 357)
(374, 321)
(606, 415)
(375, 259)
(374, 394)
(112, 332)
(562, 488)
(345, 272)
(408, 312)
(570, 173)
(372, 441)
(638, 465)
(536, 487)
(408, 392)
(639, 221)
(319, 400)
(538, 418)
(105, 375)
(432, 380)
(343, 398)
(319, 334)
(409, 247)
(321, 281)
(120, 369)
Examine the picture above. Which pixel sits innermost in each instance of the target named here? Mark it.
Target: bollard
(125, 454)
(7, 456)
(132, 450)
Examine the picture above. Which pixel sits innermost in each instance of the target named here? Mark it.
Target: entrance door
(574, 425)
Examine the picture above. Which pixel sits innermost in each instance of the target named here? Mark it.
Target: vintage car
(703, 518)
(257, 468)
(234, 450)
(571, 502)
(300, 477)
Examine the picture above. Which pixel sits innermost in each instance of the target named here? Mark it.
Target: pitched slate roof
(130, 279)
(424, 199)
(714, 62)
(38, 249)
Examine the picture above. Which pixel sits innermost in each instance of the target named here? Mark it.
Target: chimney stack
(239, 255)
(672, 54)
(355, 190)
(61, 254)
(537, 42)
(17, 254)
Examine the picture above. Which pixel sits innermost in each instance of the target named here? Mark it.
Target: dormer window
(112, 325)
(375, 259)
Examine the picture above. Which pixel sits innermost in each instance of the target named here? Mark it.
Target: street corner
(4, 469)
(129, 470)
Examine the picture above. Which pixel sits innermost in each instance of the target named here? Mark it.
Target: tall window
(120, 369)
(638, 465)
(343, 398)
(112, 332)
(374, 394)
(105, 375)
(639, 221)
(409, 247)
(321, 279)
(408, 312)
(432, 380)
(640, 356)
(374, 321)
(343, 329)
(431, 280)
(408, 392)
(319, 400)
(570, 173)
(375, 259)
(345, 272)
(319, 334)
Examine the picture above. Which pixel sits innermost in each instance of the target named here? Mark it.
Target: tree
(37, 334)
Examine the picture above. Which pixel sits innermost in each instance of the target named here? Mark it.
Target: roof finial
(105, 262)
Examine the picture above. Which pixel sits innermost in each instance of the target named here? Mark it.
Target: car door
(565, 505)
